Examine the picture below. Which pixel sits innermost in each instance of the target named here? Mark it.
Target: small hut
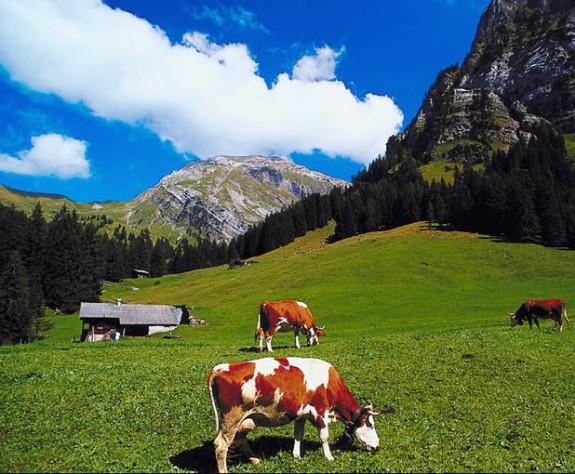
(98, 319)
(141, 273)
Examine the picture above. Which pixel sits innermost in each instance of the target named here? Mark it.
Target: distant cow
(283, 316)
(274, 392)
(545, 309)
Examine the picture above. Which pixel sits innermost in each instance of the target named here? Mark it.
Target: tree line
(526, 194)
(60, 263)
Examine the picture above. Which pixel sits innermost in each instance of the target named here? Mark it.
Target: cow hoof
(254, 461)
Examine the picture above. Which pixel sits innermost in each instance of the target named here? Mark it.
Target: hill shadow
(202, 459)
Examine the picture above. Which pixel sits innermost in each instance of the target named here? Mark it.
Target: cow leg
(242, 442)
(296, 336)
(269, 343)
(323, 430)
(233, 432)
(559, 323)
(260, 335)
(221, 444)
(298, 431)
(537, 323)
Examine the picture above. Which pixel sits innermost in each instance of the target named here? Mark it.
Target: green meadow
(416, 323)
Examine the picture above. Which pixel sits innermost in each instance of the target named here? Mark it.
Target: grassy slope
(570, 145)
(384, 277)
(416, 324)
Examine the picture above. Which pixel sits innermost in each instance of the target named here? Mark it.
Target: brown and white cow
(277, 391)
(531, 310)
(283, 316)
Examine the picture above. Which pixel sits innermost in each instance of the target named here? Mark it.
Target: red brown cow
(277, 391)
(531, 310)
(283, 316)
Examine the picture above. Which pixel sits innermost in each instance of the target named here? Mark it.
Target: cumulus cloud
(51, 154)
(319, 67)
(205, 98)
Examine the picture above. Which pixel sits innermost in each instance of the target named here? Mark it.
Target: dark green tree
(16, 315)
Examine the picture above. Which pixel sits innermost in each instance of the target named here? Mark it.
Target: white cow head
(362, 427)
(313, 335)
(365, 432)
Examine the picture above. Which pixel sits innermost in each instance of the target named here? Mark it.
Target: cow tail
(565, 313)
(259, 325)
(212, 386)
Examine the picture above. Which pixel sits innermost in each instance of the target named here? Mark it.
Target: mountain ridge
(518, 75)
(218, 198)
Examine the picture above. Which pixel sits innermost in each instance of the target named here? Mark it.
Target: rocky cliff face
(519, 73)
(221, 197)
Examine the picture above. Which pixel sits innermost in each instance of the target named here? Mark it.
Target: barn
(98, 319)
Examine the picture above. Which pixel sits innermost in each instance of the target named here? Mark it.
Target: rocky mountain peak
(219, 198)
(519, 74)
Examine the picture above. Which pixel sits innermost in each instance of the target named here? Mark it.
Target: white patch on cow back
(249, 390)
(302, 304)
(222, 367)
(278, 395)
(316, 371)
(266, 366)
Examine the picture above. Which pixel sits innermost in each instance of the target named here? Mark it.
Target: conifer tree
(62, 282)
(36, 264)
(16, 315)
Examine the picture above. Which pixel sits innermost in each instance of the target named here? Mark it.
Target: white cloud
(51, 154)
(226, 16)
(207, 99)
(319, 67)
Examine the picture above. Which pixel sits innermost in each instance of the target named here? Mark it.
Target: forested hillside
(59, 263)
(526, 194)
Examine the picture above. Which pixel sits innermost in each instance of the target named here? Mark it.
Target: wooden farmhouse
(98, 319)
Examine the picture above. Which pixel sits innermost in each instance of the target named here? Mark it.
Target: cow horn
(369, 410)
(511, 314)
(321, 327)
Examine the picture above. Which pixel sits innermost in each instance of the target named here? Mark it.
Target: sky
(100, 99)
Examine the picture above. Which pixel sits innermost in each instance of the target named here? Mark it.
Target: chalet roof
(132, 314)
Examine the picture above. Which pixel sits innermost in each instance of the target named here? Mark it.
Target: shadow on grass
(255, 349)
(202, 458)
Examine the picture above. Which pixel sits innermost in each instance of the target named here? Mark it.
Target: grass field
(416, 324)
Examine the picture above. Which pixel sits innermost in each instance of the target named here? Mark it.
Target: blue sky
(101, 99)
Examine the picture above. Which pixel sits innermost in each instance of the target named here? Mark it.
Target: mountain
(519, 74)
(217, 198)
(221, 197)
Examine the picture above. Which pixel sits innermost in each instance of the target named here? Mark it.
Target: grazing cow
(545, 309)
(283, 316)
(277, 391)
